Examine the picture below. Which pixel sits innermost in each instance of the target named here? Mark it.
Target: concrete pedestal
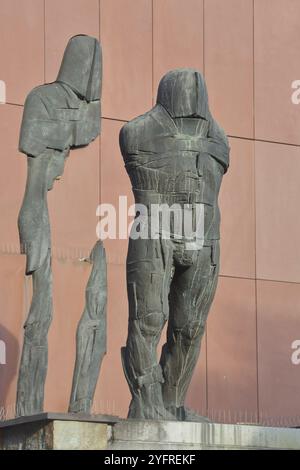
(49, 431)
(56, 431)
(163, 435)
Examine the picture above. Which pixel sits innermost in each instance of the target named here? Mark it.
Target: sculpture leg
(91, 336)
(34, 360)
(148, 281)
(191, 295)
(91, 348)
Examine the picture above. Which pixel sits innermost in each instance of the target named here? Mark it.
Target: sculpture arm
(33, 221)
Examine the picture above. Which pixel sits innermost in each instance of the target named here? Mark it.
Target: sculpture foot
(181, 413)
(139, 410)
(81, 406)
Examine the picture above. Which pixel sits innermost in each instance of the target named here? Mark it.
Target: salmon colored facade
(249, 52)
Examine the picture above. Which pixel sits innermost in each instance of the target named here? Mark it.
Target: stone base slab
(164, 435)
(55, 431)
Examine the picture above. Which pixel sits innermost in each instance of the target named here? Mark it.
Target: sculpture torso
(174, 161)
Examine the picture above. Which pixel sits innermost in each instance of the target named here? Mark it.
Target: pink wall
(249, 52)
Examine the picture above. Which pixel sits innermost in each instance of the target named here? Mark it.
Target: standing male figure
(174, 154)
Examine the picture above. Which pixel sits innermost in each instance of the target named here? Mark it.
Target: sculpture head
(80, 68)
(96, 252)
(182, 92)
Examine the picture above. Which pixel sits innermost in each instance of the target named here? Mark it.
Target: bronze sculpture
(91, 335)
(57, 117)
(174, 154)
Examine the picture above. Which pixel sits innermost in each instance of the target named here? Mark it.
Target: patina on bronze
(174, 154)
(57, 117)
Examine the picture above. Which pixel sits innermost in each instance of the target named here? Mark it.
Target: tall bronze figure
(57, 117)
(174, 154)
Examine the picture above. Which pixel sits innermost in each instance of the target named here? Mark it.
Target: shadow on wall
(9, 357)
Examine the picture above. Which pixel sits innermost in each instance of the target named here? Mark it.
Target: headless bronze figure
(174, 154)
